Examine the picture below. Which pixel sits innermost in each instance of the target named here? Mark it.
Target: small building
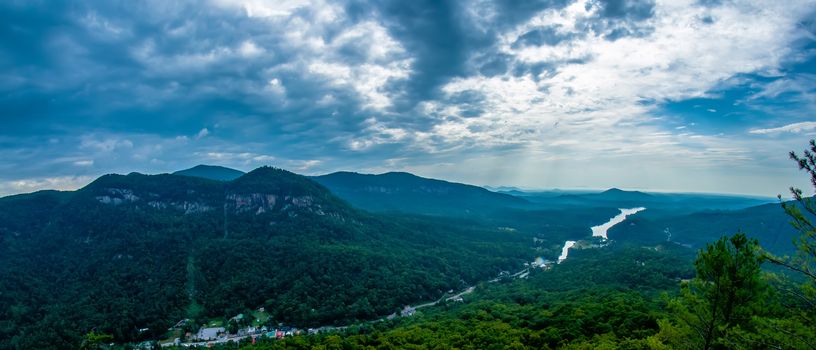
(209, 333)
(408, 311)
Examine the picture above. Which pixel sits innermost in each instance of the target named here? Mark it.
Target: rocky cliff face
(237, 203)
(264, 191)
(119, 196)
(260, 203)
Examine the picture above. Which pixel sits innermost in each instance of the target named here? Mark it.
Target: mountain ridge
(213, 172)
(406, 192)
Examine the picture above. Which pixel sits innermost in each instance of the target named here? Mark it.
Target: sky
(690, 96)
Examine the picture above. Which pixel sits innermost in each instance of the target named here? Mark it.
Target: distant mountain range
(408, 193)
(616, 194)
(393, 192)
(398, 191)
(692, 219)
(660, 203)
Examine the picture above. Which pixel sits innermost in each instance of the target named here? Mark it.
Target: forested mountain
(405, 192)
(131, 255)
(212, 172)
(768, 223)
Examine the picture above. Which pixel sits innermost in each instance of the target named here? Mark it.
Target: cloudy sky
(704, 96)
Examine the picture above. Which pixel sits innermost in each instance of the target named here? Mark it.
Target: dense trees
(599, 298)
(132, 255)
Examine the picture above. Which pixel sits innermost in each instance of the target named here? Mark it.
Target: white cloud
(45, 183)
(791, 128)
(375, 133)
(595, 88)
(249, 49)
(202, 133)
(261, 8)
(108, 144)
(275, 86)
(318, 38)
(242, 158)
(303, 165)
(386, 60)
(263, 158)
(84, 162)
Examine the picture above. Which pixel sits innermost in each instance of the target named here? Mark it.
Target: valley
(255, 332)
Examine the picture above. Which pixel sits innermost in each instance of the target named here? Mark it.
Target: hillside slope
(768, 223)
(141, 252)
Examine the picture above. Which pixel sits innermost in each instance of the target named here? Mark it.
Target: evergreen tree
(727, 291)
(793, 326)
(804, 262)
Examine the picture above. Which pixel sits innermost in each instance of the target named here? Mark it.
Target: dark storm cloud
(120, 72)
(173, 68)
(433, 32)
(155, 67)
(123, 66)
(492, 65)
(632, 9)
(442, 38)
(542, 36)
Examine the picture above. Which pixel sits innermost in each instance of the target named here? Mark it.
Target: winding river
(600, 230)
(565, 250)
